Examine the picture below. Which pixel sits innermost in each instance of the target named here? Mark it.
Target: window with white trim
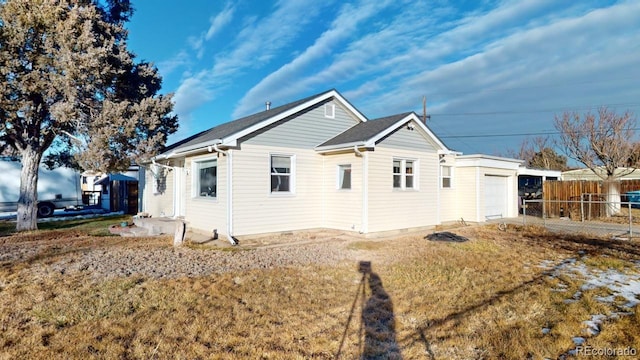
(404, 174)
(281, 173)
(206, 178)
(344, 177)
(446, 175)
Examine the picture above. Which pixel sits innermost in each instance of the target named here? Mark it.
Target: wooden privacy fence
(576, 191)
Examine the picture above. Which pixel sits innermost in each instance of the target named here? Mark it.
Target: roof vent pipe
(268, 105)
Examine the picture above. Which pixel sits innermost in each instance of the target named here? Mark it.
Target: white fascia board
(449, 152)
(339, 147)
(234, 138)
(488, 161)
(539, 172)
(197, 146)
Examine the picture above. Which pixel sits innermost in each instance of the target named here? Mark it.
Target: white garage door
(495, 192)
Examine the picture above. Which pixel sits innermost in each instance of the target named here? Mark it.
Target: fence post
(630, 221)
(544, 215)
(581, 208)
(524, 212)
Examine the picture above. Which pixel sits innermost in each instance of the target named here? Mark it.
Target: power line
(514, 112)
(549, 132)
(497, 135)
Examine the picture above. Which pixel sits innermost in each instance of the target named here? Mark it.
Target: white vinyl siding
(257, 210)
(390, 209)
(342, 209)
(466, 194)
(306, 130)
(204, 214)
(159, 196)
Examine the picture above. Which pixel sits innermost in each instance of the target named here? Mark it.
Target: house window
(404, 174)
(207, 178)
(344, 177)
(330, 111)
(281, 173)
(446, 176)
(408, 174)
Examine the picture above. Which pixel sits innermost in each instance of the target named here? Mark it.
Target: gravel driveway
(155, 258)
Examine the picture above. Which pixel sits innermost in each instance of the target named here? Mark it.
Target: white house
(320, 163)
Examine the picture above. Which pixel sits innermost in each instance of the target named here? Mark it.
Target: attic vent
(330, 111)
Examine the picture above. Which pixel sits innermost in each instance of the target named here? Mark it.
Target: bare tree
(538, 153)
(604, 143)
(69, 85)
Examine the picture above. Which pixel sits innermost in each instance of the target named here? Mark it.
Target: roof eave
(340, 147)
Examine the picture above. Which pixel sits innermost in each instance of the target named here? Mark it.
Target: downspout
(478, 195)
(229, 155)
(358, 152)
(365, 190)
(438, 194)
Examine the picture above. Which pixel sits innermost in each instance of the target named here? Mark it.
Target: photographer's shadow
(379, 323)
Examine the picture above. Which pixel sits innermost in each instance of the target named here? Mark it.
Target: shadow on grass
(421, 334)
(575, 244)
(622, 249)
(377, 331)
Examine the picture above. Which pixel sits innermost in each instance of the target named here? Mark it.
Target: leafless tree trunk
(604, 144)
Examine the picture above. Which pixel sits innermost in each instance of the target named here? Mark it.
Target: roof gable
(227, 134)
(369, 133)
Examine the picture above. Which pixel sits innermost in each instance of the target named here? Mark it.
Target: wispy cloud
(220, 21)
(259, 42)
(343, 27)
(216, 24)
(387, 48)
(192, 92)
(180, 60)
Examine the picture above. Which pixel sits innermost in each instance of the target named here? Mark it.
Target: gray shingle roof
(364, 131)
(229, 128)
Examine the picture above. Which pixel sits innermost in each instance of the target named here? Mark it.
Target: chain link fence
(589, 215)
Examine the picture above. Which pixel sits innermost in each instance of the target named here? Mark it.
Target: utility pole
(424, 110)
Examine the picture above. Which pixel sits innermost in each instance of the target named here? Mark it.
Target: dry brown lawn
(403, 297)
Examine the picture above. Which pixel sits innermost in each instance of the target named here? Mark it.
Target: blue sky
(492, 71)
